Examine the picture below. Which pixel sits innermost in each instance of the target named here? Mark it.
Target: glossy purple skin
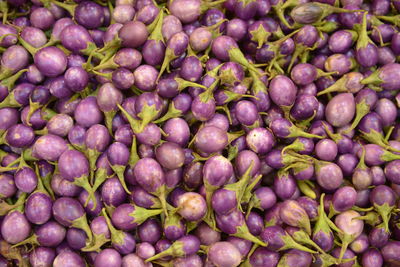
(118, 154)
(75, 38)
(108, 97)
(68, 258)
(339, 63)
(296, 257)
(223, 201)
(329, 176)
(20, 136)
(51, 61)
(382, 195)
(108, 257)
(145, 77)
(378, 237)
(260, 140)
(42, 256)
(304, 107)
(243, 161)
(246, 112)
(76, 238)
(60, 124)
(133, 34)
(193, 175)
(344, 198)
(76, 78)
(59, 88)
(255, 223)
(7, 188)
(191, 69)
(309, 205)
(392, 171)
(264, 257)
(371, 258)
(49, 147)
(34, 36)
(15, 227)
(284, 186)
(149, 174)
(203, 111)
(66, 210)
(14, 59)
(150, 231)
(97, 138)
(200, 39)
(340, 109)
(340, 41)
(266, 196)
(221, 45)
(73, 164)
(128, 58)
(133, 260)
(63, 187)
(145, 250)
(211, 139)
(192, 206)
(88, 113)
(42, 18)
(389, 252)
(8, 40)
(112, 192)
(153, 52)
(241, 244)
(206, 234)
(224, 254)
(150, 136)
(303, 74)
(124, 134)
(25, 179)
(282, 91)
(89, 14)
(387, 110)
(326, 149)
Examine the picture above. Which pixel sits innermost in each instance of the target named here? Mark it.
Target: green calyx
(92, 155)
(232, 96)
(290, 243)
(83, 182)
(81, 223)
(296, 146)
(260, 35)
(240, 186)
(236, 55)
(134, 123)
(119, 171)
(98, 242)
(69, 7)
(303, 238)
(5, 207)
(32, 240)
(10, 81)
(243, 232)
(10, 101)
(117, 236)
(339, 86)
(140, 215)
(175, 250)
(385, 212)
(182, 84)
(209, 218)
(297, 132)
(169, 56)
(134, 157)
(373, 79)
(362, 109)
(305, 187)
(372, 218)
(363, 39)
(155, 28)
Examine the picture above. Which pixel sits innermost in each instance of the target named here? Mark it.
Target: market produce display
(191, 133)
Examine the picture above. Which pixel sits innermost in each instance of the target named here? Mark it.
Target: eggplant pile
(191, 133)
